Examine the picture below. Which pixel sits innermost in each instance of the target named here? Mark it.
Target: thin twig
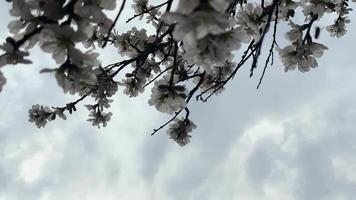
(113, 24)
(270, 55)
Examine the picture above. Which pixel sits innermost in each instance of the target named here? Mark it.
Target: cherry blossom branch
(258, 46)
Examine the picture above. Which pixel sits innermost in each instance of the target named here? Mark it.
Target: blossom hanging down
(338, 29)
(97, 118)
(179, 131)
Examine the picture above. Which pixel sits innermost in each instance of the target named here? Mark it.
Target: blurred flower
(338, 29)
(12, 54)
(40, 115)
(179, 131)
(168, 98)
(2, 80)
(97, 118)
(303, 57)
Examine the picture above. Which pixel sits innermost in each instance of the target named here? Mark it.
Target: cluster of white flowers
(57, 26)
(141, 6)
(168, 98)
(101, 93)
(133, 86)
(303, 57)
(207, 32)
(316, 8)
(190, 53)
(40, 114)
(132, 42)
(179, 131)
(302, 53)
(73, 77)
(97, 117)
(250, 19)
(216, 78)
(338, 29)
(135, 81)
(286, 9)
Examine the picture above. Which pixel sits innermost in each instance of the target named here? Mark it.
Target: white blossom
(21, 9)
(193, 27)
(338, 29)
(249, 19)
(315, 8)
(59, 112)
(72, 78)
(40, 115)
(303, 57)
(215, 78)
(206, 38)
(107, 87)
(12, 54)
(50, 8)
(59, 41)
(94, 13)
(295, 34)
(286, 9)
(98, 117)
(179, 131)
(132, 42)
(139, 6)
(108, 4)
(15, 26)
(133, 86)
(215, 50)
(168, 98)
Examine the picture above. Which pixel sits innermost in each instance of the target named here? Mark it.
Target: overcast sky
(293, 139)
